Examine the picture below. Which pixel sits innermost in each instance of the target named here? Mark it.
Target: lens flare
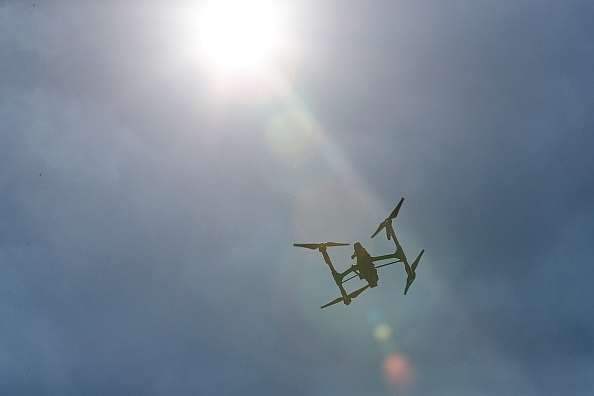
(397, 371)
(382, 332)
(289, 133)
(330, 208)
(375, 316)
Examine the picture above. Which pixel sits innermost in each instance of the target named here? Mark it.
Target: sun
(239, 34)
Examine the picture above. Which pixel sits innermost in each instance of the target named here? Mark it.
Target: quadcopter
(364, 268)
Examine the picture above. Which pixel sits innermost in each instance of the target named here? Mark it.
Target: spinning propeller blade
(314, 246)
(357, 292)
(408, 283)
(339, 299)
(382, 225)
(336, 244)
(411, 271)
(352, 295)
(307, 245)
(416, 262)
(396, 210)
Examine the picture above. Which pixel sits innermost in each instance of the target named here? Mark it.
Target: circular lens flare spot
(397, 371)
(382, 332)
(375, 316)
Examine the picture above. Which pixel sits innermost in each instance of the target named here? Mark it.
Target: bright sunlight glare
(239, 34)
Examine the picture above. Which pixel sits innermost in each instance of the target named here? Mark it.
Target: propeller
(315, 246)
(358, 291)
(382, 225)
(416, 262)
(339, 299)
(396, 210)
(352, 295)
(409, 282)
(411, 272)
(385, 223)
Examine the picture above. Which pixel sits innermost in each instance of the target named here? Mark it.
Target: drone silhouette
(364, 267)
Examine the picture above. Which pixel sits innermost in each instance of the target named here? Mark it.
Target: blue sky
(149, 201)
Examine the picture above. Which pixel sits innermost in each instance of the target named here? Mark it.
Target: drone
(365, 267)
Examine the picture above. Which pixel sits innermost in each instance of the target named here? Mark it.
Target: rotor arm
(327, 260)
(353, 268)
(338, 277)
(399, 253)
(391, 234)
(385, 257)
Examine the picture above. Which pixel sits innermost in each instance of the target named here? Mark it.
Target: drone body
(364, 267)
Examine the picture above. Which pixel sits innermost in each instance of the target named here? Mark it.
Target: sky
(157, 163)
